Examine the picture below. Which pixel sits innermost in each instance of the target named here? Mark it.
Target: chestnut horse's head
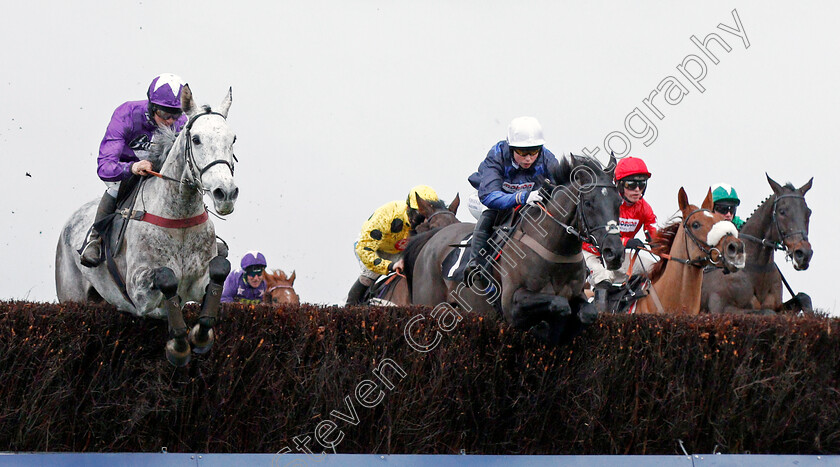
(279, 288)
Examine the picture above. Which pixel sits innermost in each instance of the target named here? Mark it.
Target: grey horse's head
(210, 141)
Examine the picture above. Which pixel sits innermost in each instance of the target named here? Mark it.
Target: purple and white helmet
(165, 90)
(252, 258)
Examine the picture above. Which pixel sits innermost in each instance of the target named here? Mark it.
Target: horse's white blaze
(708, 214)
(720, 230)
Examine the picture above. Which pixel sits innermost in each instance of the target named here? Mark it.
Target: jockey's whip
(784, 281)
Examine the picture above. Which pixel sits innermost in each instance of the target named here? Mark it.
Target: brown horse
(701, 238)
(393, 291)
(779, 223)
(279, 288)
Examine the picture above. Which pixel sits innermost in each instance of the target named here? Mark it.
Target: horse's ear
(225, 105)
(187, 102)
(292, 278)
(682, 199)
(777, 189)
(708, 203)
(453, 206)
(423, 206)
(611, 166)
(804, 188)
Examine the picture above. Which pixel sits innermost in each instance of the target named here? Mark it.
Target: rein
(780, 245)
(443, 211)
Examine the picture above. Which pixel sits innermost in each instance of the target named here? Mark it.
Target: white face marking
(720, 230)
(603, 192)
(708, 214)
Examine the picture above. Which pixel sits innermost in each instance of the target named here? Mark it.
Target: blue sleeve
(501, 200)
(230, 287)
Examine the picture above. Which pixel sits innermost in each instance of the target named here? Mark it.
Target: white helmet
(475, 206)
(525, 132)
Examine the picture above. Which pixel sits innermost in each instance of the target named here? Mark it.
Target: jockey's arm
(371, 238)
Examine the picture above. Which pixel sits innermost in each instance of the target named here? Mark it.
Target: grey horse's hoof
(805, 302)
(204, 346)
(588, 313)
(178, 355)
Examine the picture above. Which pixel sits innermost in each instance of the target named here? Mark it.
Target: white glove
(533, 197)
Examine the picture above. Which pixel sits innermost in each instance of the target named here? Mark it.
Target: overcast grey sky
(340, 107)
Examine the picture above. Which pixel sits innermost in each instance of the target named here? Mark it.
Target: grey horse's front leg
(177, 348)
(201, 335)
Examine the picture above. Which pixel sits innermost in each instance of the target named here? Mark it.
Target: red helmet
(630, 166)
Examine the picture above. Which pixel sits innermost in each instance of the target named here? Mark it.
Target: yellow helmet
(424, 191)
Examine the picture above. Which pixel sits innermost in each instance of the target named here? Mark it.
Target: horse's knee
(166, 282)
(560, 305)
(219, 269)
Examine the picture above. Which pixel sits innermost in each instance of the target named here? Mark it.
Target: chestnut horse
(779, 223)
(701, 238)
(279, 288)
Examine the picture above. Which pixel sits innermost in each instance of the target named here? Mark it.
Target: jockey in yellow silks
(383, 238)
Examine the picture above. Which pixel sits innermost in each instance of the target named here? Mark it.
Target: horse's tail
(412, 251)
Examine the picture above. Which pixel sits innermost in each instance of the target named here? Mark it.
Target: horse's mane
(162, 142)
(662, 245)
(562, 173)
(412, 251)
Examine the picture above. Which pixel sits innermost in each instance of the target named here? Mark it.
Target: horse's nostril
(234, 194)
(219, 194)
(798, 255)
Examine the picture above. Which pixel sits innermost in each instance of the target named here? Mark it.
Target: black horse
(539, 275)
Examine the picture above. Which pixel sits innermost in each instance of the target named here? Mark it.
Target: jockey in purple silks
(131, 129)
(247, 284)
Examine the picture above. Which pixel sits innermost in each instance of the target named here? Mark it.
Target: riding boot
(478, 258)
(601, 289)
(357, 292)
(91, 251)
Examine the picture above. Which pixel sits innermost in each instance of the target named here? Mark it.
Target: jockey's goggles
(532, 151)
(633, 184)
(725, 208)
(252, 272)
(164, 115)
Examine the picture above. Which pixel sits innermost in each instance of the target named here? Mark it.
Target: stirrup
(85, 253)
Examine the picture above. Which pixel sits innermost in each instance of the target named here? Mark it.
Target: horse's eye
(695, 225)
(587, 203)
(196, 139)
(781, 212)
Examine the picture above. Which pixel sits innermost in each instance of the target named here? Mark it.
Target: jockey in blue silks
(512, 174)
(131, 129)
(247, 284)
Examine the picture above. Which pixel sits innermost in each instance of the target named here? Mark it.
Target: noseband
(189, 157)
(704, 247)
(780, 245)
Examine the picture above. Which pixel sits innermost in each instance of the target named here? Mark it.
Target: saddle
(380, 289)
(622, 298)
(455, 262)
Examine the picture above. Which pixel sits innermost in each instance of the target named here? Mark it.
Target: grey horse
(779, 223)
(166, 264)
(539, 275)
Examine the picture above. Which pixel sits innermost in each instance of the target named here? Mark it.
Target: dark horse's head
(587, 194)
(792, 217)
(436, 214)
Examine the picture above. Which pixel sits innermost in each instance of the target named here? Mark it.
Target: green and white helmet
(725, 192)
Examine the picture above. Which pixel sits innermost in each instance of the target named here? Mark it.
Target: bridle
(583, 231)
(442, 211)
(707, 249)
(189, 157)
(780, 245)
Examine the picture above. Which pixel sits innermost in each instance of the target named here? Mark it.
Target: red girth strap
(175, 223)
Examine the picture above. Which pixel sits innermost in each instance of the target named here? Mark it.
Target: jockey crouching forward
(384, 236)
(131, 129)
(510, 175)
(247, 284)
(631, 175)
